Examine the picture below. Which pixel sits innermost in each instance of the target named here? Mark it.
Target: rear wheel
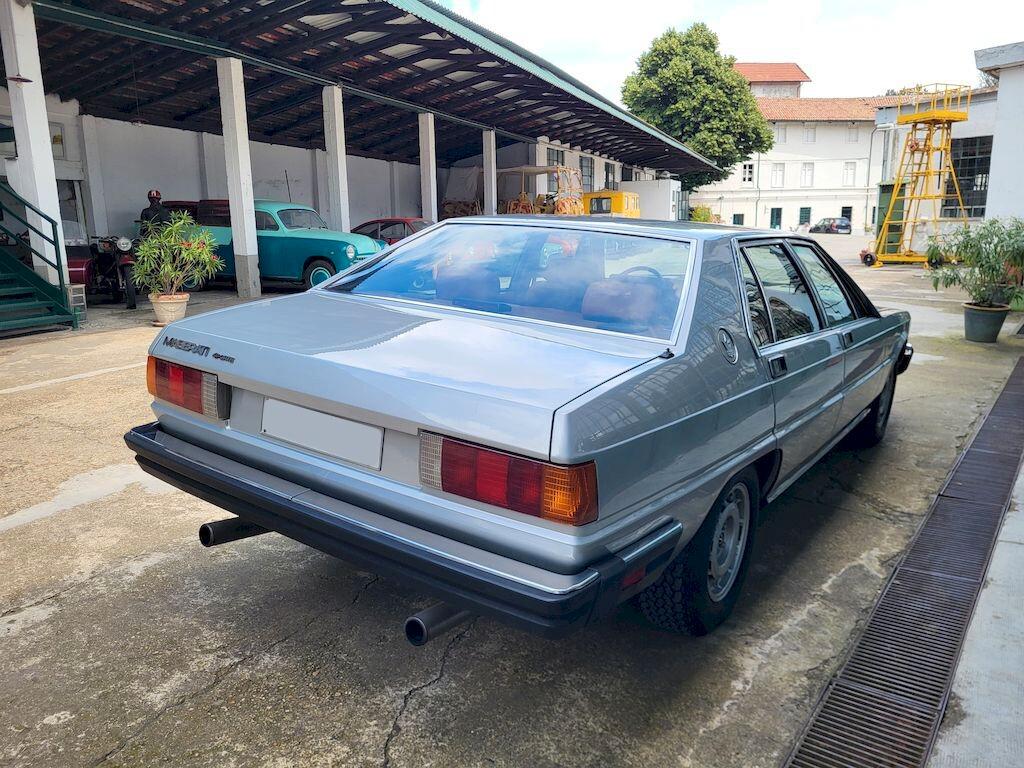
(316, 272)
(699, 588)
(872, 428)
(129, 286)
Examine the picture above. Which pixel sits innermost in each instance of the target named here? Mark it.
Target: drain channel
(884, 705)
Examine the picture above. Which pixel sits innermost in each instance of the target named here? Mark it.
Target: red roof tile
(781, 72)
(809, 109)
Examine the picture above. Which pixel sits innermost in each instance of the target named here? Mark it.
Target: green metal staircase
(26, 299)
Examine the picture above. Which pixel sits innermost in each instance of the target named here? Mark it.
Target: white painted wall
(829, 152)
(776, 90)
(1006, 181)
(657, 198)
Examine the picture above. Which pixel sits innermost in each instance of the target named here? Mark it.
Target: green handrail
(53, 239)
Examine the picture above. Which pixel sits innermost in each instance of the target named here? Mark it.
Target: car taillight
(195, 390)
(563, 494)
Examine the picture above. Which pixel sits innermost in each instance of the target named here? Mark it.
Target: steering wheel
(651, 271)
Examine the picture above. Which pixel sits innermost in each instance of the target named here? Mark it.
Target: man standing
(155, 214)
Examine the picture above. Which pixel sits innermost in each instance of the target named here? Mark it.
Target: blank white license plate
(342, 438)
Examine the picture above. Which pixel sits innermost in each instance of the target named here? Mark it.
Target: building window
(846, 212)
(780, 133)
(609, 176)
(807, 174)
(852, 134)
(805, 215)
(778, 174)
(874, 213)
(587, 173)
(555, 157)
(850, 174)
(971, 158)
(810, 134)
(737, 219)
(748, 173)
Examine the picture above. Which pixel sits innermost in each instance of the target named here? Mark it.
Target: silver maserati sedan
(532, 418)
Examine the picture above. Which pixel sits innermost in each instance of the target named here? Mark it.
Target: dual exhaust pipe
(420, 628)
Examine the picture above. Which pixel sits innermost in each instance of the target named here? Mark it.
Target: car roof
(693, 229)
(280, 205)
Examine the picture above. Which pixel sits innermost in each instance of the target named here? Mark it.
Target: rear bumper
(547, 603)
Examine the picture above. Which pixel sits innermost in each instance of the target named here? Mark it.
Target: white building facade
(825, 163)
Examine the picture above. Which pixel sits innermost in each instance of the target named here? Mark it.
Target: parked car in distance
(531, 418)
(839, 225)
(391, 230)
(295, 245)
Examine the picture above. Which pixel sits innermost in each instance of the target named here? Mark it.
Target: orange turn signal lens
(563, 494)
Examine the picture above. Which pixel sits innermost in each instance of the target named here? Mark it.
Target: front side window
(835, 306)
(789, 300)
(265, 222)
(301, 218)
(370, 230)
(394, 230)
(621, 283)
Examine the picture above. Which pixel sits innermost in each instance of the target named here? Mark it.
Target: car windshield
(623, 283)
(301, 218)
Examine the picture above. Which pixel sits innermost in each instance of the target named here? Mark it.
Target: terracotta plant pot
(984, 323)
(168, 307)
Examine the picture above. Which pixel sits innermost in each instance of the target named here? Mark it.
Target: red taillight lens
(553, 492)
(195, 390)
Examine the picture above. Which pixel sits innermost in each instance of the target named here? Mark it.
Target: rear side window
(762, 326)
(834, 303)
(370, 230)
(789, 300)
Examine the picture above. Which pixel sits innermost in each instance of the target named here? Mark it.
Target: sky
(852, 48)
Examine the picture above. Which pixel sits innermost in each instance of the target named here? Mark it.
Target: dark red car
(391, 230)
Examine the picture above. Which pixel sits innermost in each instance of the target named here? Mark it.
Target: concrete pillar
(235, 127)
(37, 179)
(490, 174)
(337, 170)
(428, 166)
(95, 199)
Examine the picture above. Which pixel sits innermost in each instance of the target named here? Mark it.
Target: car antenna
(668, 354)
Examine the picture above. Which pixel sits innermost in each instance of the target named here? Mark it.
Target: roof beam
(84, 18)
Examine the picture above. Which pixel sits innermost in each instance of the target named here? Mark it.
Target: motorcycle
(105, 267)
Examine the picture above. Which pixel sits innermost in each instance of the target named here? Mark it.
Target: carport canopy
(399, 64)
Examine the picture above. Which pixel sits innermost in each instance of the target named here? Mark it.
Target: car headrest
(466, 282)
(629, 302)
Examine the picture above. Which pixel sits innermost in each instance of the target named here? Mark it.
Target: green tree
(687, 88)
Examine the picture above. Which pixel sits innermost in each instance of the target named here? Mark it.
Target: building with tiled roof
(825, 162)
(781, 79)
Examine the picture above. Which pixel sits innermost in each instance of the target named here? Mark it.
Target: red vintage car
(391, 230)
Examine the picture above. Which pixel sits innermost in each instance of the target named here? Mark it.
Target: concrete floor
(123, 642)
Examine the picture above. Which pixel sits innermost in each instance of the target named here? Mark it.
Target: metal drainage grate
(885, 704)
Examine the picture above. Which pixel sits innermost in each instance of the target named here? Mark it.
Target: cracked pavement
(124, 643)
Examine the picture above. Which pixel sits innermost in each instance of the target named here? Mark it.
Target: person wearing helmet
(156, 214)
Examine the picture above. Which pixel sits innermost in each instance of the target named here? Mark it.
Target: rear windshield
(623, 283)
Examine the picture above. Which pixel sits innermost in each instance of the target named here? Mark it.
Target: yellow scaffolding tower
(925, 181)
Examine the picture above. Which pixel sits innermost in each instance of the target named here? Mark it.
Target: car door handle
(847, 337)
(777, 366)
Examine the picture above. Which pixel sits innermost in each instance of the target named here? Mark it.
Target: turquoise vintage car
(294, 243)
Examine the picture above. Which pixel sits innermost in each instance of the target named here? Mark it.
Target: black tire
(869, 259)
(872, 429)
(129, 286)
(314, 270)
(681, 600)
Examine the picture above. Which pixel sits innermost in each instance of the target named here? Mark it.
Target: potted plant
(170, 256)
(990, 259)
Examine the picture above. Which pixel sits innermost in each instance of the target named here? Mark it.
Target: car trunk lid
(398, 366)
